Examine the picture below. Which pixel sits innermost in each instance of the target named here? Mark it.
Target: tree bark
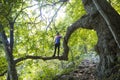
(84, 22)
(108, 43)
(12, 73)
(106, 47)
(108, 21)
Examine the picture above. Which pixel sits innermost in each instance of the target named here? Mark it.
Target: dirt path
(85, 71)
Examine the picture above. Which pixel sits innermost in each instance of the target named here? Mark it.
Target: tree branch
(5, 42)
(38, 57)
(2, 74)
(85, 21)
(54, 16)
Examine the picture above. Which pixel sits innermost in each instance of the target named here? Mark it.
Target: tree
(6, 13)
(11, 12)
(99, 18)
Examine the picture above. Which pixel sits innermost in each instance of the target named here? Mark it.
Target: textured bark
(108, 20)
(106, 45)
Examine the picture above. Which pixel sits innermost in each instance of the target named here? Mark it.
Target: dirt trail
(85, 71)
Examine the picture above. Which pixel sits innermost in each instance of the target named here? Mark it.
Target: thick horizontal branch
(39, 57)
(85, 21)
(2, 74)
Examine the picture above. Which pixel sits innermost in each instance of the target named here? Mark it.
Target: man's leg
(55, 50)
(58, 48)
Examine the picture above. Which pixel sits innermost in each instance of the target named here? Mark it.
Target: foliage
(3, 64)
(85, 40)
(75, 9)
(116, 5)
(38, 70)
(34, 32)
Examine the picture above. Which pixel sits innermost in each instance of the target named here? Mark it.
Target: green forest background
(36, 24)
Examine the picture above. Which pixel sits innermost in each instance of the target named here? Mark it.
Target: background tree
(11, 30)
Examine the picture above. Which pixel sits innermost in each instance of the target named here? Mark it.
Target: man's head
(57, 33)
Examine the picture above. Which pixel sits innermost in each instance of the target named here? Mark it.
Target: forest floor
(85, 71)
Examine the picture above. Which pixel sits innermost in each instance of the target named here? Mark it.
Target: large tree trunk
(108, 45)
(107, 49)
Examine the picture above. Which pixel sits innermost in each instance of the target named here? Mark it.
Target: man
(57, 43)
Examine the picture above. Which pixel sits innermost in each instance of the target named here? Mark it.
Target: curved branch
(85, 21)
(106, 18)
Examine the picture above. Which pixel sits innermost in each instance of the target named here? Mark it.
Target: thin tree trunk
(12, 73)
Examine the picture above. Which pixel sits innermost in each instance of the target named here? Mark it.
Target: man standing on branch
(57, 43)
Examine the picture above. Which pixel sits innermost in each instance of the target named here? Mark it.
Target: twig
(54, 16)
